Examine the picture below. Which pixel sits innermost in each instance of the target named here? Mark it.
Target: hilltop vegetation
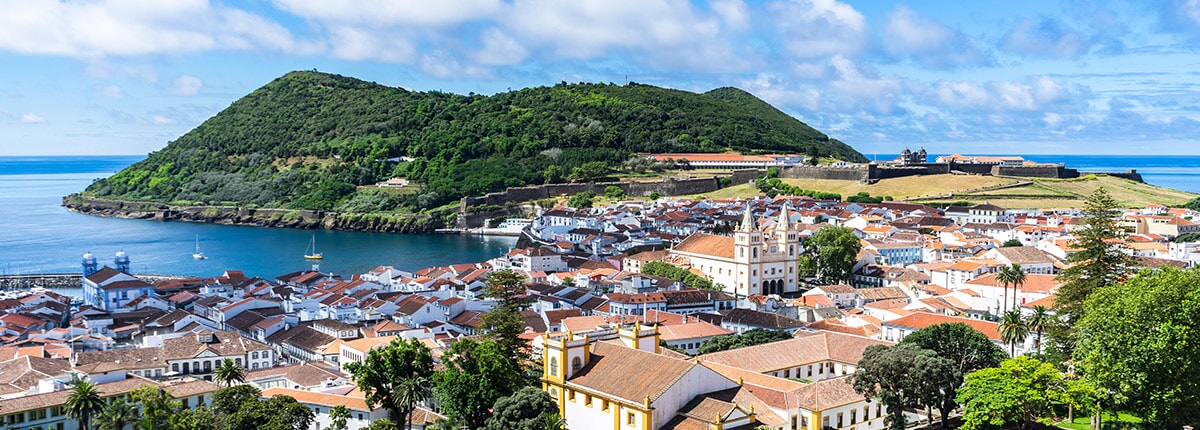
(310, 140)
(1012, 193)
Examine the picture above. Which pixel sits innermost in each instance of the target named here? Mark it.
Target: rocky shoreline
(257, 217)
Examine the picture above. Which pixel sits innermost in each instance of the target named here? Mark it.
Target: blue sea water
(37, 235)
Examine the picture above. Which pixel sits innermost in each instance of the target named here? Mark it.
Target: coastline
(254, 217)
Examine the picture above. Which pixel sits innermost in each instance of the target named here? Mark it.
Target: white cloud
(31, 118)
(819, 28)
(1049, 38)
(1034, 94)
(186, 85)
(100, 28)
(350, 43)
(111, 91)
(162, 120)
(499, 49)
(929, 42)
(393, 12)
(734, 13)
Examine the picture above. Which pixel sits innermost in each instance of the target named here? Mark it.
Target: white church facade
(750, 262)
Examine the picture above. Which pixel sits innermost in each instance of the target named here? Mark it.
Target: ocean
(37, 235)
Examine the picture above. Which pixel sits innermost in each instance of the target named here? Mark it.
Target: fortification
(670, 186)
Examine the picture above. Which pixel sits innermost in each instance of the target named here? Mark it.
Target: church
(750, 262)
(108, 289)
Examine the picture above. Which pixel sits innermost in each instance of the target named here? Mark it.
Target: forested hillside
(307, 140)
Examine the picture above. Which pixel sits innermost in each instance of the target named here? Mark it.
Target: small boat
(197, 254)
(311, 252)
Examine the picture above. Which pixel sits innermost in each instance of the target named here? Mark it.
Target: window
(604, 405)
(571, 395)
(839, 419)
(254, 355)
(794, 421)
(576, 363)
(553, 366)
(878, 409)
(587, 400)
(630, 418)
(360, 417)
(853, 416)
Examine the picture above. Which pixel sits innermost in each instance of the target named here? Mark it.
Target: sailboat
(197, 254)
(311, 252)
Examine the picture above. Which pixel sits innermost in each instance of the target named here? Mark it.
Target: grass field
(945, 189)
(1121, 421)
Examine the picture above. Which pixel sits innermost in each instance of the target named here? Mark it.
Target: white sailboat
(311, 252)
(197, 254)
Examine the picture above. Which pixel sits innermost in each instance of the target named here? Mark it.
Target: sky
(976, 77)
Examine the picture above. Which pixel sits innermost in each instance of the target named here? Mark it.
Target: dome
(89, 257)
(122, 255)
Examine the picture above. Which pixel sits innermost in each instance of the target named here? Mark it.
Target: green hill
(307, 140)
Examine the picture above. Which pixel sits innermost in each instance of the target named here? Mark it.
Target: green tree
(525, 409)
(227, 373)
(1011, 243)
(476, 375)
(504, 321)
(614, 192)
(228, 400)
(967, 348)
(198, 418)
(553, 174)
(887, 373)
(830, 254)
(338, 415)
(83, 402)
(116, 414)
(582, 200)
(1010, 276)
(386, 424)
(1095, 264)
(935, 382)
(1020, 391)
(157, 407)
(1013, 330)
(1038, 322)
(1140, 342)
(654, 196)
(394, 377)
(554, 422)
(750, 337)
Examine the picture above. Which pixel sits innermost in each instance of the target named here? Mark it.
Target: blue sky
(1029, 77)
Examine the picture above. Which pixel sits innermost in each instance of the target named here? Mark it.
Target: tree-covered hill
(307, 139)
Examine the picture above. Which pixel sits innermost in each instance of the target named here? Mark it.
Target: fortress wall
(1040, 171)
(855, 173)
(667, 187)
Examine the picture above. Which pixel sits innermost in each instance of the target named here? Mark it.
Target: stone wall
(875, 172)
(976, 169)
(667, 187)
(853, 173)
(1037, 171)
(742, 176)
(1130, 174)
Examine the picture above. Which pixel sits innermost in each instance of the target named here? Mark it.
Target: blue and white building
(109, 289)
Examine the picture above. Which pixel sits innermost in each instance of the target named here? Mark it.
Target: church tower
(786, 239)
(89, 265)
(121, 261)
(747, 239)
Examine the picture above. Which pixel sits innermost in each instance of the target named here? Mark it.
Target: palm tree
(83, 402)
(1017, 281)
(1013, 330)
(409, 392)
(228, 373)
(554, 422)
(1010, 275)
(117, 414)
(1037, 322)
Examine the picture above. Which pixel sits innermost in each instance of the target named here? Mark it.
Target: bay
(37, 235)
